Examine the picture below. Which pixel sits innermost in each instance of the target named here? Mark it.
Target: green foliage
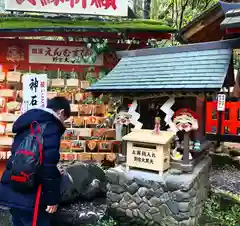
(35, 22)
(225, 215)
(109, 222)
(178, 13)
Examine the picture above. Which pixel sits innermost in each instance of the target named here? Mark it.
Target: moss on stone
(10, 22)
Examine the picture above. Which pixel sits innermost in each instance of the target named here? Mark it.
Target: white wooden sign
(89, 7)
(34, 91)
(71, 55)
(221, 100)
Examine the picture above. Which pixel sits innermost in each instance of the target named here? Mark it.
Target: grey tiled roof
(232, 19)
(178, 69)
(232, 15)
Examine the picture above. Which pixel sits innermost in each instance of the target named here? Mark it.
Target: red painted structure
(110, 59)
(24, 64)
(225, 125)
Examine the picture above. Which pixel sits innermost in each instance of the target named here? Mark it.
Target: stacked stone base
(141, 198)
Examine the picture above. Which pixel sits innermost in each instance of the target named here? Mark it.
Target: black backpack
(27, 160)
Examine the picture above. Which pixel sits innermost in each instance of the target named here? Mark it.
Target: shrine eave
(158, 92)
(62, 24)
(86, 33)
(81, 29)
(231, 23)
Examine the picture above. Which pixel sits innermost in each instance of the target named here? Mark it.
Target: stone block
(144, 208)
(133, 205)
(114, 197)
(183, 206)
(142, 191)
(170, 200)
(129, 213)
(133, 188)
(180, 196)
(117, 189)
(137, 198)
(112, 177)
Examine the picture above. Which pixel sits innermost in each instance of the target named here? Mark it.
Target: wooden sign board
(148, 151)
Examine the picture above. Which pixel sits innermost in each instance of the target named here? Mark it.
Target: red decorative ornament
(186, 111)
(93, 119)
(15, 54)
(185, 120)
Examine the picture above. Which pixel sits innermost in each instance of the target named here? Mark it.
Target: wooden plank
(98, 157)
(186, 148)
(203, 22)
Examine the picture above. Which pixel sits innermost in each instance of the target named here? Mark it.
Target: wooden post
(219, 130)
(186, 148)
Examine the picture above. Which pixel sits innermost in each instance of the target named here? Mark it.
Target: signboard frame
(35, 87)
(221, 101)
(73, 7)
(63, 55)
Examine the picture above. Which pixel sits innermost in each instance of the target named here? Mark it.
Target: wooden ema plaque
(148, 151)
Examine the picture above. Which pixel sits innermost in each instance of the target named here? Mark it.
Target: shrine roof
(182, 68)
(27, 22)
(232, 15)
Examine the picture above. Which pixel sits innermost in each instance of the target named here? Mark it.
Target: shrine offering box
(148, 151)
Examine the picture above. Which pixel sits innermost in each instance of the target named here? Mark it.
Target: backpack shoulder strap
(43, 127)
(37, 129)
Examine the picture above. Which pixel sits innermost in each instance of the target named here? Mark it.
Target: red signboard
(48, 55)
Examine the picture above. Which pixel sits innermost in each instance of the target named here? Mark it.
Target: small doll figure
(157, 126)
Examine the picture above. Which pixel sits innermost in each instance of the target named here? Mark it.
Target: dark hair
(59, 103)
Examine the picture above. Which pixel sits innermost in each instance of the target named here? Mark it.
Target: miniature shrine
(181, 79)
(73, 55)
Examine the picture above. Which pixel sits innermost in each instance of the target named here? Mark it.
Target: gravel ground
(226, 178)
(81, 213)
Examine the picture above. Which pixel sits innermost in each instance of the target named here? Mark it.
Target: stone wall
(141, 198)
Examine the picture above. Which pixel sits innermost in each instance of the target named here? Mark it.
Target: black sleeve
(50, 174)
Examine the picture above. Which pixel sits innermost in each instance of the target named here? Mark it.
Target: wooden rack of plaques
(9, 111)
(84, 140)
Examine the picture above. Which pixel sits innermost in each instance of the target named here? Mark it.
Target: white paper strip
(135, 115)
(166, 108)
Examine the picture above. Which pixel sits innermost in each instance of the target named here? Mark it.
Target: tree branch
(183, 8)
